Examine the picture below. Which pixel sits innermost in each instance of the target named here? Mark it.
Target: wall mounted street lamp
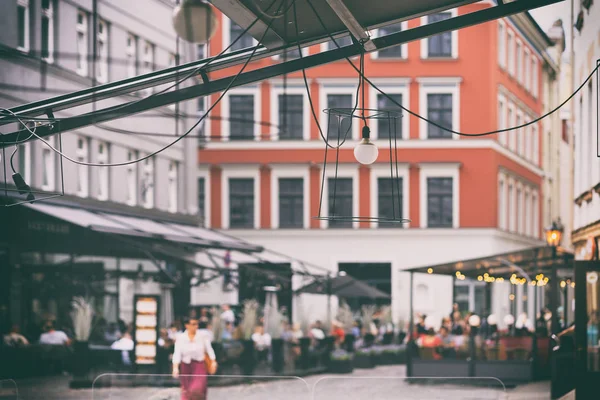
(554, 233)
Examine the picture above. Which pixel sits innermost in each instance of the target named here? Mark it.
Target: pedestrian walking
(193, 360)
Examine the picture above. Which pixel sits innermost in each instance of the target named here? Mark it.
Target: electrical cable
(168, 145)
(435, 124)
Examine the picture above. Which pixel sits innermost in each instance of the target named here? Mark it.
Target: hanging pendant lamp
(195, 21)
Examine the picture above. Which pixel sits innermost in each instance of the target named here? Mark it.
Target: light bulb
(366, 152)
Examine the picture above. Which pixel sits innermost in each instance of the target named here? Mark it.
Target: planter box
(363, 360)
(439, 368)
(391, 358)
(341, 366)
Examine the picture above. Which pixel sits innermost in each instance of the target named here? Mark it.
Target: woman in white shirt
(189, 360)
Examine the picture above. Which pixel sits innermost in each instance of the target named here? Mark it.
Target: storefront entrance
(587, 327)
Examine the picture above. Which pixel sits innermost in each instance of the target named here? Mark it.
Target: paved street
(381, 383)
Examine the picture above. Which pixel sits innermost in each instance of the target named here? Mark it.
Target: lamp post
(553, 239)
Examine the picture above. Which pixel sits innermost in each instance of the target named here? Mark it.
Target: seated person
(53, 337)
(262, 343)
(125, 344)
(14, 338)
(430, 340)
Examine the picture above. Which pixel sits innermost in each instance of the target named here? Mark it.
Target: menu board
(146, 329)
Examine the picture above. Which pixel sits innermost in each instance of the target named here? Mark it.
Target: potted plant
(275, 319)
(363, 358)
(82, 316)
(345, 317)
(392, 355)
(248, 324)
(341, 362)
(368, 326)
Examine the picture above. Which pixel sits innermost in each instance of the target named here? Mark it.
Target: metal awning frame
(174, 74)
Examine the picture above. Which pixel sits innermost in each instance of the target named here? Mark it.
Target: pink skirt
(193, 386)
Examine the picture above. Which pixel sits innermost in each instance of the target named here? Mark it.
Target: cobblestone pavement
(381, 383)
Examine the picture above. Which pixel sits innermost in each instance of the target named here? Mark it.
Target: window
(440, 45)
(82, 170)
(536, 215)
(527, 72)
(511, 208)
(501, 44)
(49, 165)
(241, 115)
(536, 144)
(534, 76)
(511, 53)
(132, 178)
(202, 200)
(340, 201)
(512, 135)
(527, 139)
(201, 51)
(102, 171)
(47, 31)
(389, 200)
(439, 203)
(148, 63)
(501, 204)
(23, 24)
(241, 203)
(519, 65)
(82, 43)
(386, 127)
(291, 203)
(245, 40)
(339, 127)
(291, 116)
(527, 217)
(502, 121)
(392, 52)
(132, 54)
(102, 71)
(519, 133)
(439, 110)
(172, 186)
(519, 210)
(148, 183)
(341, 42)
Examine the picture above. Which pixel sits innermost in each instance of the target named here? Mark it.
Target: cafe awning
(344, 286)
(531, 261)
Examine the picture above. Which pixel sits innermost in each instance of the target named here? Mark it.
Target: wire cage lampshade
(335, 203)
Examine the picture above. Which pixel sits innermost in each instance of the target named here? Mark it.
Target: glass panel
(245, 40)
(241, 117)
(389, 200)
(22, 25)
(241, 203)
(392, 52)
(291, 203)
(593, 325)
(338, 125)
(291, 116)
(440, 45)
(439, 110)
(341, 42)
(439, 202)
(45, 37)
(340, 201)
(387, 127)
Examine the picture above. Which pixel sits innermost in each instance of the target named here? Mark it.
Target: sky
(545, 16)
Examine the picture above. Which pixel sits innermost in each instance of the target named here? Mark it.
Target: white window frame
(102, 71)
(536, 213)
(26, 25)
(439, 86)
(404, 48)
(502, 206)
(103, 172)
(520, 133)
(501, 44)
(132, 178)
(511, 51)
(173, 186)
(439, 170)
(519, 60)
(276, 91)
(536, 143)
(49, 13)
(344, 171)
(148, 171)
(226, 33)
(527, 69)
(284, 172)
(512, 134)
(512, 205)
(148, 58)
(502, 116)
(50, 167)
(131, 54)
(328, 87)
(82, 154)
(520, 209)
(383, 171)
(534, 76)
(425, 42)
(206, 175)
(242, 171)
(225, 111)
(528, 217)
(391, 86)
(82, 53)
(527, 138)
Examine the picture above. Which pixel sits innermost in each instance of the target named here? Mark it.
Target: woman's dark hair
(187, 320)
(431, 332)
(202, 324)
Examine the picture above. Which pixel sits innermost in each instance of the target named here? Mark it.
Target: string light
(430, 270)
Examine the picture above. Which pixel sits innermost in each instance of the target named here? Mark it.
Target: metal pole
(555, 327)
